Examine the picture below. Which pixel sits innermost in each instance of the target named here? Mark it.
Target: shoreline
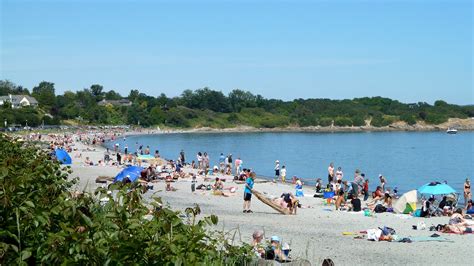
(315, 233)
(462, 125)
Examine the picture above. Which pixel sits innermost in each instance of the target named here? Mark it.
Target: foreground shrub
(42, 222)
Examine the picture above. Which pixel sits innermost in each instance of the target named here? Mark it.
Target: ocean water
(407, 159)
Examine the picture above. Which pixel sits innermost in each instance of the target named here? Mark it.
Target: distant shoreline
(459, 124)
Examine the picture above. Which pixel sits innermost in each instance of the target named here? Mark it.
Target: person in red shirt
(366, 189)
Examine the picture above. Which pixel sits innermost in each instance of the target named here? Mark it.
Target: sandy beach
(314, 233)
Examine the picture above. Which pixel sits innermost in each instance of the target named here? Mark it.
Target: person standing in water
(467, 191)
(277, 169)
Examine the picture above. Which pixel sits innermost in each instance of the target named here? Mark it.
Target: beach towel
(426, 239)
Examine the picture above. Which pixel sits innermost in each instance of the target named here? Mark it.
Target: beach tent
(436, 188)
(62, 156)
(406, 203)
(132, 171)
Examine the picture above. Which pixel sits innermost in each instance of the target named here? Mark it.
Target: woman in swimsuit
(467, 191)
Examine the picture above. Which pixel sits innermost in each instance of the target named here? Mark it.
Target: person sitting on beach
(469, 207)
(274, 252)
(355, 204)
(426, 207)
(340, 201)
(258, 248)
(337, 186)
(168, 181)
(88, 162)
(218, 185)
(319, 186)
(387, 200)
(376, 195)
(444, 207)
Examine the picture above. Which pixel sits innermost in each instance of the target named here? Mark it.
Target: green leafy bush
(358, 120)
(325, 121)
(408, 118)
(382, 121)
(342, 121)
(42, 222)
(435, 118)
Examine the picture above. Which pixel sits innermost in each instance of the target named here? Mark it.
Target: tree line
(211, 108)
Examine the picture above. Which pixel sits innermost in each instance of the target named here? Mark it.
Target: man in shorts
(248, 192)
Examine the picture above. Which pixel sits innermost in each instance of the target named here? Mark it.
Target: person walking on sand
(283, 174)
(248, 192)
(330, 173)
(467, 191)
(277, 169)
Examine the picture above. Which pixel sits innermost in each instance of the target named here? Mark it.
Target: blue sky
(407, 50)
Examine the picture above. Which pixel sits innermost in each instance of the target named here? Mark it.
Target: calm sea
(407, 159)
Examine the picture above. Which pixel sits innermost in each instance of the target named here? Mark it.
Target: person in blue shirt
(221, 162)
(248, 192)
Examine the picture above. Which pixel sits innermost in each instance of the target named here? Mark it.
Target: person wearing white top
(339, 174)
(277, 169)
(283, 174)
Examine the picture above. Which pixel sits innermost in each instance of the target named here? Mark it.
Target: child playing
(283, 174)
(193, 184)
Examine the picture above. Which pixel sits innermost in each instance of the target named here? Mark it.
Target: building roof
(115, 102)
(16, 99)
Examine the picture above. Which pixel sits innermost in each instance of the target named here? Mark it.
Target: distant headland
(207, 110)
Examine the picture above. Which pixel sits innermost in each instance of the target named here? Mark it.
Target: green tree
(96, 91)
(112, 95)
(45, 94)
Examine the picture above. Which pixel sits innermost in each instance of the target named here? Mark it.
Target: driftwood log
(270, 203)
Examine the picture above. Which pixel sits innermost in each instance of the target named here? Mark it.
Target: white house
(18, 101)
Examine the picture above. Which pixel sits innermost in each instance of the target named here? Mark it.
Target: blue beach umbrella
(436, 188)
(62, 156)
(132, 171)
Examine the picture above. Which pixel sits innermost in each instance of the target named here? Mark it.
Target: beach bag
(388, 231)
(380, 208)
